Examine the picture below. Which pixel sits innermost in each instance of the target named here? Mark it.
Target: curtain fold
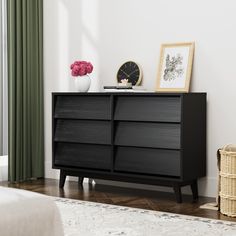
(25, 89)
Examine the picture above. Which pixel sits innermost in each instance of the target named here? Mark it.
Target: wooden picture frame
(175, 67)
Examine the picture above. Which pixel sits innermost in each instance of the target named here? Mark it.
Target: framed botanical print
(175, 67)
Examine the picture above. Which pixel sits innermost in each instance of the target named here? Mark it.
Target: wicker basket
(228, 180)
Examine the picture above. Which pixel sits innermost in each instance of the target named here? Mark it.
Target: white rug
(96, 219)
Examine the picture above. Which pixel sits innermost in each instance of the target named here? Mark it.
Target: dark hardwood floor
(151, 200)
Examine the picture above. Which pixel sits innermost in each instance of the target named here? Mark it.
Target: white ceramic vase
(83, 83)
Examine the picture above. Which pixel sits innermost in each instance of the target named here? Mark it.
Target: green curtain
(25, 89)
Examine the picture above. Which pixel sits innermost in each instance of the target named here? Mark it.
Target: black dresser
(150, 138)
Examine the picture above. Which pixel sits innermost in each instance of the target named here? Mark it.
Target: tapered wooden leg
(194, 189)
(178, 194)
(81, 179)
(62, 179)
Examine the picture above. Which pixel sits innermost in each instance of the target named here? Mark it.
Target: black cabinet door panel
(157, 135)
(83, 107)
(83, 155)
(83, 131)
(148, 161)
(163, 109)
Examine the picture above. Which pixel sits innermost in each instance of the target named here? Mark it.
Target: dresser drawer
(157, 135)
(82, 131)
(83, 107)
(83, 155)
(148, 161)
(140, 108)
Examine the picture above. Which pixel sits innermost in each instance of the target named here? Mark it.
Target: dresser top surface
(127, 93)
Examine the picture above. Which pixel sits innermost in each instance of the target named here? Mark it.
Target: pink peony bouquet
(80, 68)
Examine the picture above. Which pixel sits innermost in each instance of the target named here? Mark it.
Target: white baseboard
(55, 174)
(208, 187)
(49, 172)
(3, 168)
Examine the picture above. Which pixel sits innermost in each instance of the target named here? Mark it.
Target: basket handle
(225, 146)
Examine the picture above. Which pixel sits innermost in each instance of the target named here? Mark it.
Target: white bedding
(24, 213)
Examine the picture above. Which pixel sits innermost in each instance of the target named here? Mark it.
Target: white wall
(3, 168)
(1, 85)
(3, 80)
(110, 32)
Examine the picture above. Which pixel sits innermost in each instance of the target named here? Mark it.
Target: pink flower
(82, 71)
(75, 70)
(89, 67)
(80, 68)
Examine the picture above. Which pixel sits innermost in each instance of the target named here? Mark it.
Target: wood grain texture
(83, 107)
(136, 108)
(83, 131)
(146, 160)
(144, 134)
(83, 155)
